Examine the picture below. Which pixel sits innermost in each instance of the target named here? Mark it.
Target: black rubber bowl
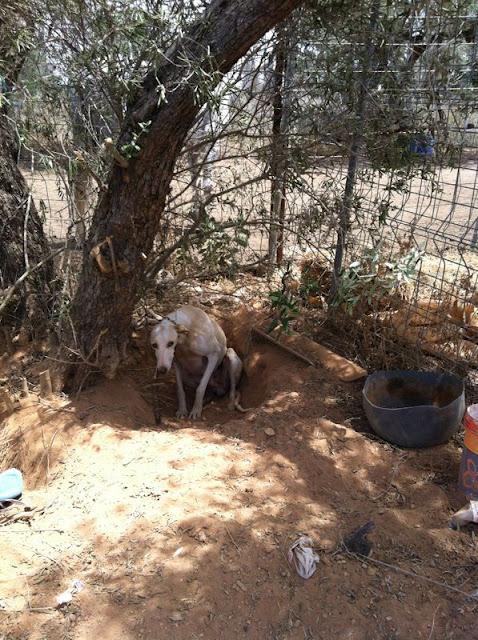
(414, 408)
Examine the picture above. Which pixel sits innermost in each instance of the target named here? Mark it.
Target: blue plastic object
(11, 484)
(422, 146)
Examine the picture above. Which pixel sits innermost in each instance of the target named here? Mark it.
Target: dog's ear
(182, 330)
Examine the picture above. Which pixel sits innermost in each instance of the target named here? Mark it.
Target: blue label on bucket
(469, 474)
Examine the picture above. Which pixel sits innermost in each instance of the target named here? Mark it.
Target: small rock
(177, 616)
(269, 432)
(202, 537)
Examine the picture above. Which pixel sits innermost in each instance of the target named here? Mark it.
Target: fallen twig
(443, 585)
(433, 623)
(232, 539)
(30, 530)
(293, 352)
(13, 514)
(26, 609)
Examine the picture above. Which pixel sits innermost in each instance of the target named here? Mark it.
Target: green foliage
(216, 246)
(132, 148)
(371, 278)
(285, 307)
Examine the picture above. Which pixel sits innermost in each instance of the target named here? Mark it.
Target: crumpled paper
(302, 557)
(67, 596)
(465, 515)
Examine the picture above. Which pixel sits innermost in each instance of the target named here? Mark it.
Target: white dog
(196, 345)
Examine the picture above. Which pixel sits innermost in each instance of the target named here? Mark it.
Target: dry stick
(121, 160)
(30, 530)
(8, 340)
(433, 622)
(113, 261)
(24, 393)
(25, 231)
(24, 276)
(26, 609)
(95, 348)
(46, 453)
(359, 556)
(7, 401)
(443, 356)
(45, 384)
(267, 337)
(232, 539)
(79, 156)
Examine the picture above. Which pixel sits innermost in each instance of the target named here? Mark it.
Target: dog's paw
(195, 413)
(181, 413)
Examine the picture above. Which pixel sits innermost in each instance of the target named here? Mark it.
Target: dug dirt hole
(267, 372)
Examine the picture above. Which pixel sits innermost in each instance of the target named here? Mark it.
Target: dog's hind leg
(234, 364)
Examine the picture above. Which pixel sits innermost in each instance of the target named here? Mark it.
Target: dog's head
(164, 338)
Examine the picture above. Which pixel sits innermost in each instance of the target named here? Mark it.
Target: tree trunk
(127, 217)
(277, 146)
(22, 240)
(355, 148)
(285, 64)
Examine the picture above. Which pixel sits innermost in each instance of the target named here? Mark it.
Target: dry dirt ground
(181, 529)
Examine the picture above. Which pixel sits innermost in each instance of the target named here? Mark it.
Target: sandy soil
(180, 529)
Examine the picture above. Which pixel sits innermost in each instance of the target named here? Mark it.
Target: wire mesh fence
(352, 148)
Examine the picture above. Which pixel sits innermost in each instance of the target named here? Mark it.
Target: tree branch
(24, 276)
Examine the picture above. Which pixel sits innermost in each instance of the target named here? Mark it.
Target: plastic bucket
(469, 458)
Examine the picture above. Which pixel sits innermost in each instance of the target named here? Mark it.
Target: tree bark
(357, 141)
(22, 243)
(277, 206)
(283, 73)
(127, 217)
(22, 240)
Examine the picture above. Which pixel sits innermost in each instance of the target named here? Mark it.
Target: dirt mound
(181, 529)
(35, 439)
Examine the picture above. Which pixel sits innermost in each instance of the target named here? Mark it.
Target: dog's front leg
(212, 362)
(182, 408)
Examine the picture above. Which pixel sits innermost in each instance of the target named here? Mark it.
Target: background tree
(265, 144)
(23, 246)
(159, 116)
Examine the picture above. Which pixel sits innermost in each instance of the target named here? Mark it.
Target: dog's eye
(170, 344)
(154, 345)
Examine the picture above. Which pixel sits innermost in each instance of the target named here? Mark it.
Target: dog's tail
(237, 403)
